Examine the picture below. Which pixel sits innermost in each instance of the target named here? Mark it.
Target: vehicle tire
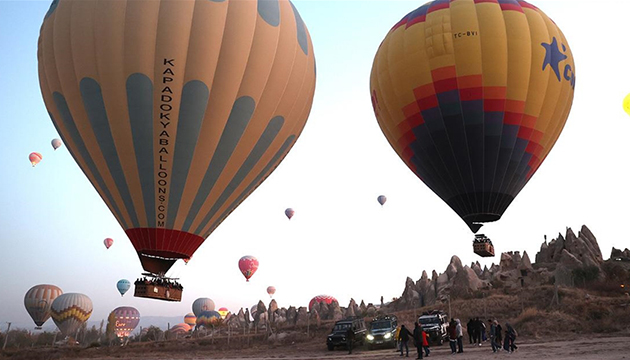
(331, 347)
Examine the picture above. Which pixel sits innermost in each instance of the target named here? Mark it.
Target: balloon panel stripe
(78, 142)
(193, 108)
(237, 122)
(252, 186)
(97, 115)
(269, 10)
(266, 139)
(301, 30)
(140, 103)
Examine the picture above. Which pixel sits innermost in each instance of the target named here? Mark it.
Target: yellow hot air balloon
(626, 104)
(472, 95)
(175, 110)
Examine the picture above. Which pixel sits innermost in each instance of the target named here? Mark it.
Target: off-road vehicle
(382, 332)
(338, 335)
(434, 323)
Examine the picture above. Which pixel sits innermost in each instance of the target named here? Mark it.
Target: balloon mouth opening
(475, 221)
(159, 262)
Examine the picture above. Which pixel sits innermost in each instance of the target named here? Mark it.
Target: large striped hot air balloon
(319, 299)
(202, 304)
(69, 311)
(38, 301)
(126, 319)
(175, 110)
(472, 95)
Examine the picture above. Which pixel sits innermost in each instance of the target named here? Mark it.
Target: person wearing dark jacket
(403, 337)
(452, 335)
(350, 339)
(417, 339)
(469, 330)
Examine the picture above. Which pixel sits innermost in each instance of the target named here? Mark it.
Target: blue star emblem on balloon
(553, 56)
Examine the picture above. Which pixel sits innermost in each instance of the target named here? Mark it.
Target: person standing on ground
(510, 337)
(417, 339)
(396, 339)
(469, 330)
(493, 333)
(499, 335)
(425, 342)
(460, 337)
(350, 339)
(452, 335)
(403, 337)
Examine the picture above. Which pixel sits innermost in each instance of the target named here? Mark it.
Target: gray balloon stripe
(252, 186)
(52, 8)
(266, 138)
(269, 10)
(75, 137)
(194, 101)
(239, 118)
(140, 106)
(97, 114)
(301, 30)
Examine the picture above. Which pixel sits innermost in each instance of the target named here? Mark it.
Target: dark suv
(382, 332)
(434, 323)
(338, 335)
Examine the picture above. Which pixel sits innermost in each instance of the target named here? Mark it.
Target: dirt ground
(613, 347)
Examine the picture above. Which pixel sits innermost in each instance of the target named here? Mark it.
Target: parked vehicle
(382, 332)
(338, 335)
(434, 323)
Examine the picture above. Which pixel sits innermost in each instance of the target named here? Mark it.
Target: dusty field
(612, 347)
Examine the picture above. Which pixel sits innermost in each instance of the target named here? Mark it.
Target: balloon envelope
(320, 298)
(181, 328)
(108, 242)
(473, 106)
(223, 312)
(69, 311)
(208, 318)
(248, 266)
(127, 318)
(34, 158)
(175, 110)
(190, 319)
(626, 104)
(202, 304)
(381, 199)
(56, 143)
(271, 290)
(123, 285)
(38, 301)
(289, 213)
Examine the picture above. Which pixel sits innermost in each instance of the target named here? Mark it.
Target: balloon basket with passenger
(482, 246)
(154, 286)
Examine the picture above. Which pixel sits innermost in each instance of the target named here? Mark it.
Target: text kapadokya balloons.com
(69, 311)
(472, 95)
(38, 301)
(175, 110)
(248, 266)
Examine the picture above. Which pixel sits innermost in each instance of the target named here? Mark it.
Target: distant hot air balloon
(127, 318)
(381, 199)
(35, 158)
(321, 298)
(208, 319)
(175, 110)
(472, 95)
(626, 104)
(56, 144)
(108, 242)
(223, 312)
(186, 260)
(202, 304)
(248, 266)
(38, 301)
(271, 290)
(190, 319)
(289, 213)
(180, 328)
(69, 311)
(123, 285)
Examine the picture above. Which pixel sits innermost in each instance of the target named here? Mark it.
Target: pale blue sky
(53, 222)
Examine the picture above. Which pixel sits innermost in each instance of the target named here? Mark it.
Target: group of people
(419, 337)
(159, 282)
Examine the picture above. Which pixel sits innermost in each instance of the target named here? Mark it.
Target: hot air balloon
(56, 144)
(321, 298)
(248, 266)
(108, 242)
(123, 285)
(289, 212)
(186, 260)
(38, 301)
(271, 290)
(223, 312)
(626, 104)
(175, 110)
(472, 95)
(202, 304)
(69, 311)
(208, 319)
(381, 199)
(180, 328)
(127, 318)
(34, 158)
(190, 319)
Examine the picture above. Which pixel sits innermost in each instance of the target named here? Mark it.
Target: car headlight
(388, 335)
(370, 337)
